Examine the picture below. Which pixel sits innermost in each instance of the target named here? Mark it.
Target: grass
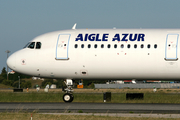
(36, 116)
(158, 97)
(92, 95)
(103, 90)
(30, 97)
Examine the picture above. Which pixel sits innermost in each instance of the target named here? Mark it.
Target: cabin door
(171, 47)
(62, 47)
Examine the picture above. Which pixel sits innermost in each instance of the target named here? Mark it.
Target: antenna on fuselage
(74, 27)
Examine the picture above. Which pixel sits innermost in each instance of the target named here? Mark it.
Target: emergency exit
(171, 47)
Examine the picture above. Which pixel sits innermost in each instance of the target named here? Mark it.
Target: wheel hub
(67, 97)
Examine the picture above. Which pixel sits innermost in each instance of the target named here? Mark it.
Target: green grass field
(94, 95)
(36, 116)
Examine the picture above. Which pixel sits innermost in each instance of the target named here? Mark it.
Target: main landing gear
(68, 96)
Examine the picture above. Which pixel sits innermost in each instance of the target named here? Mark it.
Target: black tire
(72, 97)
(68, 97)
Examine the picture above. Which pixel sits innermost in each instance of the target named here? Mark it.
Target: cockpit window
(26, 45)
(38, 45)
(31, 45)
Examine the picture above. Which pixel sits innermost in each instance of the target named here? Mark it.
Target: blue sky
(22, 20)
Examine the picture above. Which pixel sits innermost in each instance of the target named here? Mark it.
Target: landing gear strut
(68, 96)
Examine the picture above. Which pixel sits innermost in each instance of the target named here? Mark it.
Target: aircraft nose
(11, 61)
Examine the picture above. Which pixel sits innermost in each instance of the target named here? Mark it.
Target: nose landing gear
(68, 96)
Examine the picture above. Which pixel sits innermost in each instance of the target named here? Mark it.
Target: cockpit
(32, 45)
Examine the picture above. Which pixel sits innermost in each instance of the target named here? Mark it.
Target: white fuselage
(102, 54)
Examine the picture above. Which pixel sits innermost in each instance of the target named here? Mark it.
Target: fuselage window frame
(27, 45)
(89, 46)
(142, 46)
(38, 45)
(122, 46)
(95, 46)
(155, 46)
(102, 45)
(135, 46)
(76, 46)
(115, 46)
(31, 45)
(82, 45)
(109, 46)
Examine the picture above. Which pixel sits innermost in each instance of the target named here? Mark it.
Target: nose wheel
(68, 96)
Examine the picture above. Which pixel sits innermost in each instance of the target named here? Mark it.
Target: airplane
(72, 54)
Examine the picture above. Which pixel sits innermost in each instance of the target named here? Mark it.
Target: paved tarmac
(91, 108)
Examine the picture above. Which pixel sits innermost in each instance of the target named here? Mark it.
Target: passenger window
(95, 46)
(115, 46)
(32, 45)
(155, 46)
(148, 46)
(122, 45)
(135, 46)
(38, 45)
(89, 45)
(102, 45)
(109, 46)
(128, 46)
(76, 46)
(82, 46)
(142, 46)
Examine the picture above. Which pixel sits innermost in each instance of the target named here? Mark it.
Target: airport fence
(143, 85)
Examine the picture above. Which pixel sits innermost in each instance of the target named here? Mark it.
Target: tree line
(13, 79)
